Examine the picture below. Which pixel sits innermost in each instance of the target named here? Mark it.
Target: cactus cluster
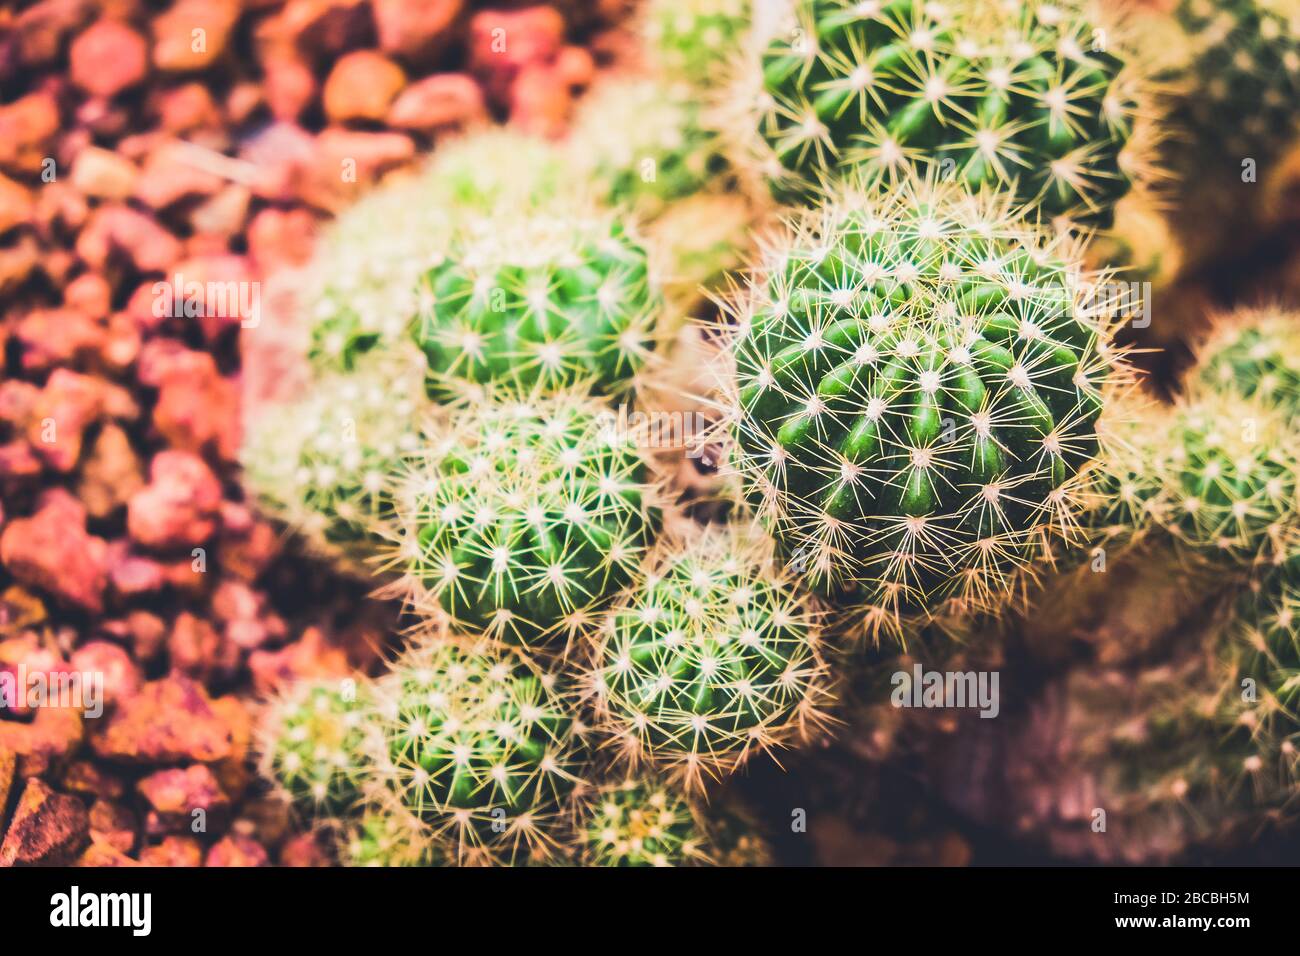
(713, 657)
(525, 516)
(1033, 98)
(917, 389)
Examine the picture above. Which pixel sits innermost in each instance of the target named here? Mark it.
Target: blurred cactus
(312, 745)
(697, 40)
(525, 517)
(918, 383)
(713, 658)
(388, 836)
(1256, 352)
(640, 822)
(1027, 96)
(325, 463)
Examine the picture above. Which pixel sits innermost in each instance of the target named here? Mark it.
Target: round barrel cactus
(324, 464)
(525, 516)
(546, 298)
(312, 745)
(639, 821)
(917, 382)
(640, 141)
(1256, 352)
(1232, 479)
(713, 658)
(1238, 88)
(481, 747)
(1030, 97)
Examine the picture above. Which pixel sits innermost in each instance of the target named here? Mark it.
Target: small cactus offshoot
(550, 298)
(525, 517)
(312, 745)
(640, 821)
(917, 387)
(714, 658)
(1257, 353)
(479, 746)
(1020, 95)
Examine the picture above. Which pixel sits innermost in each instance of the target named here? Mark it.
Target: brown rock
(503, 42)
(90, 294)
(103, 174)
(48, 829)
(444, 99)
(248, 622)
(8, 766)
(575, 66)
(17, 263)
(236, 850)
(179, 506)
(113, 825)
(289, 86)
(16, 206)
(52, 551)
(43, 27)
(170, 176)
(111, 473)
(303, 850)
(101, 854)
(187, 107)
(88, 777)
(27, 130)
(192, 34)
(198, 649)
(235, 772)
(107, 58)
(119, 673)
(361, 86)
(48, 739)
(120, 229)
(416, 29)
(346, 161)
(68, 403)
(168, 721)
(174, 795)
(52, 337)
(319, 26)
(541, 100)
(180, 851)
(132, 574)
(307, 658)
(281, 153)
(197, 408)
(247, 547)
(216, 289)
(281, 238)
(223, 214)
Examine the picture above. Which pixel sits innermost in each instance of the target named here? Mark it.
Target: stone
(107, 58)
(361, 86)
(48, 828)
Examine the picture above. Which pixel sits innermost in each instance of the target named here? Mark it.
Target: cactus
(1241, 78)
(1267, 652)
(312, 745)
(1257, 353)
(917, 384)
(362, 285)
(550, 297)
(713, 658)
(1231, 477)
(388, 836)
(324, 463)
(696, 40)
(1027, 96)
(525, 517)
(479, 746)
(640, 822)
(640, 141)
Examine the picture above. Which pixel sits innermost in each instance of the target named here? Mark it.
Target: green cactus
(640, 141)
(1241, 79)
(363, 282)
(324, 464)
(713, 658)
(1256, 352)
(312, 745)
(1267, 653)
(1031, 97)
(697, 40)
(388, 836)
(481, 747)
(525, 517)
(640, 822)
(551, 297)
(1231, 476)
(917, 386)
